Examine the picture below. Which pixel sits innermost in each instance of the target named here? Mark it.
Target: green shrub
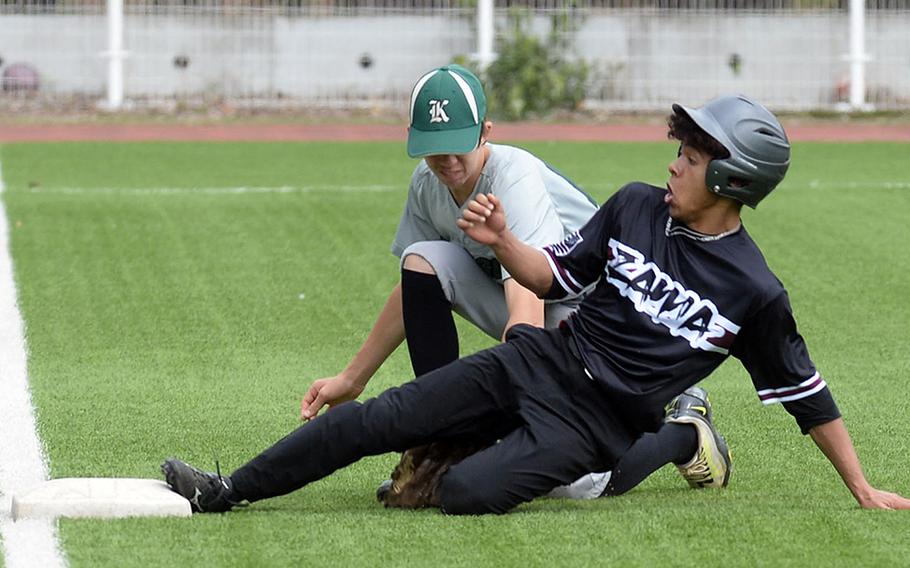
(532, 77)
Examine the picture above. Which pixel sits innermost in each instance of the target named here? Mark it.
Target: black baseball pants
(531, 393)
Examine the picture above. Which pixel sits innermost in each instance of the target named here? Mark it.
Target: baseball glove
(415, 480)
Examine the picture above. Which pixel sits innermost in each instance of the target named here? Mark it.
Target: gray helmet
(758, 146)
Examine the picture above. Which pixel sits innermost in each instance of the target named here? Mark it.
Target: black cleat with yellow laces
(712, 463)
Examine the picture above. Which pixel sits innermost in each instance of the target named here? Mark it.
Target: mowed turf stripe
(289, 189)
(22, 462)
(241, 190)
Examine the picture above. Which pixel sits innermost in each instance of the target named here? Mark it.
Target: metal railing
(792, 54)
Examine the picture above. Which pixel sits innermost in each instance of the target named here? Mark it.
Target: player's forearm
(386, 335)
(523, 306)
(834, 441)
(527, 265)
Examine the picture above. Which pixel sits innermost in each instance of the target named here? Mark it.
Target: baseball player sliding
(443, 270)
(679, 286)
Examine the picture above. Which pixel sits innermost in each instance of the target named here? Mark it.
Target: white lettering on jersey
(667, 302)
(437, 111)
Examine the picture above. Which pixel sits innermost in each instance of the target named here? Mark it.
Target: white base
(105, 498)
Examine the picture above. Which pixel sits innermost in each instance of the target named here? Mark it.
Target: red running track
(351, 132)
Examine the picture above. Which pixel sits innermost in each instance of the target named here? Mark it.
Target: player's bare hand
(879, 499)
(329, 391)
(483, 219)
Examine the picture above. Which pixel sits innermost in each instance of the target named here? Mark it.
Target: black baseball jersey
(670, 304)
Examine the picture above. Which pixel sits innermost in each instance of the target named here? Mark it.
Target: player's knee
(417, 263)
(460, 494)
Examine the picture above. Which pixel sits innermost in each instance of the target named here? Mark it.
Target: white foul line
(30, 543)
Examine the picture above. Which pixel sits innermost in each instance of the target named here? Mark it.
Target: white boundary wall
(641, 58)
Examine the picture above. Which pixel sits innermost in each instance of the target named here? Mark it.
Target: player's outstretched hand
(484, 219)
(879, 499)
(329, 391)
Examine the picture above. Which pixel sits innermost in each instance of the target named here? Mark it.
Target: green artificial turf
(169, 313)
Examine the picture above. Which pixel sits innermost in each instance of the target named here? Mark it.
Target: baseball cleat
(206, 492)
(712, 463)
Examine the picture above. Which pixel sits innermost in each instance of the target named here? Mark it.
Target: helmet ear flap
(713, 177)
(735, 180)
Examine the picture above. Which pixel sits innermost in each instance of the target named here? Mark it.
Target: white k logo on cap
(437, 111)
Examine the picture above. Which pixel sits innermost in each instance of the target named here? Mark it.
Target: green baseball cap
(447, 111)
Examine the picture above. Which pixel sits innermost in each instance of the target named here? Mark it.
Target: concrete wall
(640, 59)
(795, 61)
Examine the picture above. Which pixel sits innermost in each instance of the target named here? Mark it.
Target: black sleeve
(776, 356)
(813, 410)
(578, 261)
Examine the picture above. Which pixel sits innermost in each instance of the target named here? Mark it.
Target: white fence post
(485, 53)
(114, 54)
(858, 55)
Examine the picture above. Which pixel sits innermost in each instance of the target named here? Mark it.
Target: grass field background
(180, 298)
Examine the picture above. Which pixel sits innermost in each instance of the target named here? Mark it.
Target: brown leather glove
(415, 480)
